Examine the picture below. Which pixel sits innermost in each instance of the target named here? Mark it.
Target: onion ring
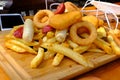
(83, 41)
(69, 6)
(41, 14)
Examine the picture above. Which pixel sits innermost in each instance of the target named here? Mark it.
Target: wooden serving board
(18, 65)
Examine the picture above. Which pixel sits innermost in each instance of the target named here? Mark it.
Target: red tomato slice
(60, 9)
(18, 33)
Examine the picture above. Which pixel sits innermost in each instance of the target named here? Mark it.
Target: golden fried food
(83, 41)
(49, 54)
(65, 20)
(57, 59)
(115, 47)
(72, 44)
(103, 45)
(69, 53)
(69, 6)
(115, 34)
(100, 22)
(40, 18)
(22, 45)
(101, 32)
(37, 59)
(92, 19)
(81, 49)
(14, 47)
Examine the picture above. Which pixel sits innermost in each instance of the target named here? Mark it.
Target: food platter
(19, 65)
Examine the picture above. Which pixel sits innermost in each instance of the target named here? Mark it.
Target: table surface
(110, 71)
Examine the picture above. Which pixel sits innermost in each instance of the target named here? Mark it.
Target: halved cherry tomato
(60, 9)
(18, 33)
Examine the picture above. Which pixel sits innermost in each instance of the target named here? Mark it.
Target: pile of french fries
(56, 44)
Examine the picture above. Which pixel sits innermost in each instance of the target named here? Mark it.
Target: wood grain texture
(3, 74)
(110, 71)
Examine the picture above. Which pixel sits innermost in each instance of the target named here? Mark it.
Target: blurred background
(30, 7)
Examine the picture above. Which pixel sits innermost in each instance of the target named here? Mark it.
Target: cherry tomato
(60, 9)
(18, 33)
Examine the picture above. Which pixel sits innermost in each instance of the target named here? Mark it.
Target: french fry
(57, 59)
(50, 34)
(115, 47)
(49, 54)
(14, 47)
(96, 50)
(38, 35)
(72, 44)
(69, 53)
(27, 48)
(46, 45)
(93, 46)
(33, 43)
(81, 49)
(44, 39)
(97, 39)
(51, 40)
(36, 48)
(103, 45)
(116, 39)
(101, 32)
(37, 59)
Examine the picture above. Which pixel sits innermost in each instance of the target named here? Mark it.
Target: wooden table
(3, 75)
(110, 71)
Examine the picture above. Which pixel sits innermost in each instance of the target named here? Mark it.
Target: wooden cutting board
(18, 65)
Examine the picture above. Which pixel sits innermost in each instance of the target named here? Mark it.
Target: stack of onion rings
(83, 41)
(40, 15)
